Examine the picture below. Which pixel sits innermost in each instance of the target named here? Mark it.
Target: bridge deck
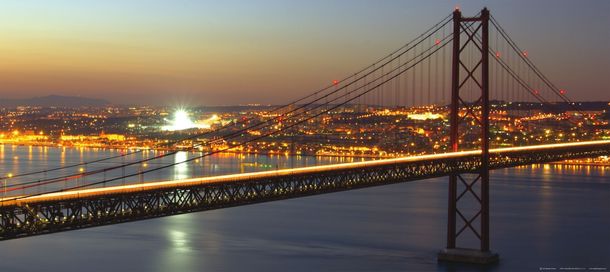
(150, 186)
(33, 215)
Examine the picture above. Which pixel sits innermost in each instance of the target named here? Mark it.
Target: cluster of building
(353, 130)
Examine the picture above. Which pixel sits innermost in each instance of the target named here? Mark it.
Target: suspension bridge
(468, 67)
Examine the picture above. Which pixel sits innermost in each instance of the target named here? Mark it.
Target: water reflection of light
(62, 158)
(180, 169)
(179, 240)
(178, 254)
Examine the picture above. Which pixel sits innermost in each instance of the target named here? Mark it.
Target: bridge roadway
(47, 213)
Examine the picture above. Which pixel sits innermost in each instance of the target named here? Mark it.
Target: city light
(425, 116)
(182, 121)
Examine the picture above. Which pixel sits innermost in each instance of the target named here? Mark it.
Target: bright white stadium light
(182, 121)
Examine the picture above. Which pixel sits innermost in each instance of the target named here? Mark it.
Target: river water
(542, 216)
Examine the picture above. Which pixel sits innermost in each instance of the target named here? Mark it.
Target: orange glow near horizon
(218, 53)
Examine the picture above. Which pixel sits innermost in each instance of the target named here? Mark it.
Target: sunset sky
(264, 51)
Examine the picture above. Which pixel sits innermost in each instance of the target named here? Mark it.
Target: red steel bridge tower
(478, 73)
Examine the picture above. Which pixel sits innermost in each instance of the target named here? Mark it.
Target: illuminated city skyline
(238, 52)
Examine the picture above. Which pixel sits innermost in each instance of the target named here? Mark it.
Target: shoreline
(326, 155)
(120, 148)
(597, 164)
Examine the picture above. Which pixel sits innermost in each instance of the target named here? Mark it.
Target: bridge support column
(478, 110)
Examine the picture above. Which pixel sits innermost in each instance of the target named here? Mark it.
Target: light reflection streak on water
(181, 169)
(179, 240)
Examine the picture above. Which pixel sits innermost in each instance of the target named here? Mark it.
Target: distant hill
(54, 101)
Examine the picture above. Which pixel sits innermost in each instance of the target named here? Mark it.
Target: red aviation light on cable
(497, 54)
(437, 42)
(562, 91)
(335, 82)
